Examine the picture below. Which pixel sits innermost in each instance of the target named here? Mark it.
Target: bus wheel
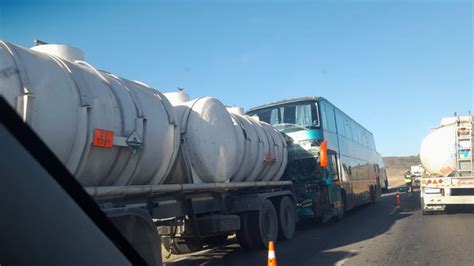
(286, 218)
(385, 189)
(342, 209)
(372, 194)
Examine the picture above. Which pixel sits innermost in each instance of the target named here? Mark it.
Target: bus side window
(331, 120)
(340, 124)
(323, 115)
(348, 128)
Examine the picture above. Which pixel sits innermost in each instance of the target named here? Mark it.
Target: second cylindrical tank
(223, 146)
(438, 150)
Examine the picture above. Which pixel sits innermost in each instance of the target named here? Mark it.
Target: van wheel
(286, 218)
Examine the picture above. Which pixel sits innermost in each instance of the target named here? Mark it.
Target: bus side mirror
(323, 154)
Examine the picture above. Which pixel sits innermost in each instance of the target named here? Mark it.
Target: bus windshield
(290, 117)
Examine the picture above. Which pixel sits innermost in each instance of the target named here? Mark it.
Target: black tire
(385, 188)
(372, 195)
(286, 218)
(247, 230)
(216, 241)
(166, 242)
(343, 200)
(257, 228)
(181, 246)
(267, 224)
(340, 216)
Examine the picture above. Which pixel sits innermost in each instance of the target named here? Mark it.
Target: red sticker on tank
(103, 138)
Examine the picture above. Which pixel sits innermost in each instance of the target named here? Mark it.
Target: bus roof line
(291, 100)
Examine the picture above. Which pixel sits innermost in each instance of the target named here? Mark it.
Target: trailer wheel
(216, 240)
(257, 228)
(181, 246)
(247, 230)
(287, 218)
(267, 224)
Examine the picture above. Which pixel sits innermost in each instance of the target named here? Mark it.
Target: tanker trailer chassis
(439, 192)
(191, 216)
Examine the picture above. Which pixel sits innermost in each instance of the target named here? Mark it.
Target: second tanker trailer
(446, 154)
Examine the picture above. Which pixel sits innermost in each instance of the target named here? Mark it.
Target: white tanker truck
(446, 154)
(199, 171)
(193, 169)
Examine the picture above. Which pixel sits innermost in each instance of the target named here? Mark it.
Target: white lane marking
(407, 212)
(394, 210)
(346, 258)
(341, 262)
(389, 194)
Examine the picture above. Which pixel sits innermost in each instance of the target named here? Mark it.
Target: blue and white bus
(333, 161)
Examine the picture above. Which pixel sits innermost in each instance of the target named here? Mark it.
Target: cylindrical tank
(236, 110)
(177, 97)
(438, 150)
(223, 146)
(265, 151)
(60, 50)
(210, 141)
(252, 147)
(105, 129)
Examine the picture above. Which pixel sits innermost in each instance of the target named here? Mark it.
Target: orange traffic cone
(397, 199)
(272, 260)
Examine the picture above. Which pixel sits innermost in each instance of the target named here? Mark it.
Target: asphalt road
(380, 234)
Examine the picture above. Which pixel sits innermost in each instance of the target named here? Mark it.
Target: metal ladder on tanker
(464, 147)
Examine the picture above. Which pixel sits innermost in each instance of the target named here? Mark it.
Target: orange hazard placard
(103, 138)
(446, 170)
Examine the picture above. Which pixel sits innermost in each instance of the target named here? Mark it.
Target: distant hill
(396, 167)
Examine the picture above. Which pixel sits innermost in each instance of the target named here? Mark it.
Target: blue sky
(396, 67)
